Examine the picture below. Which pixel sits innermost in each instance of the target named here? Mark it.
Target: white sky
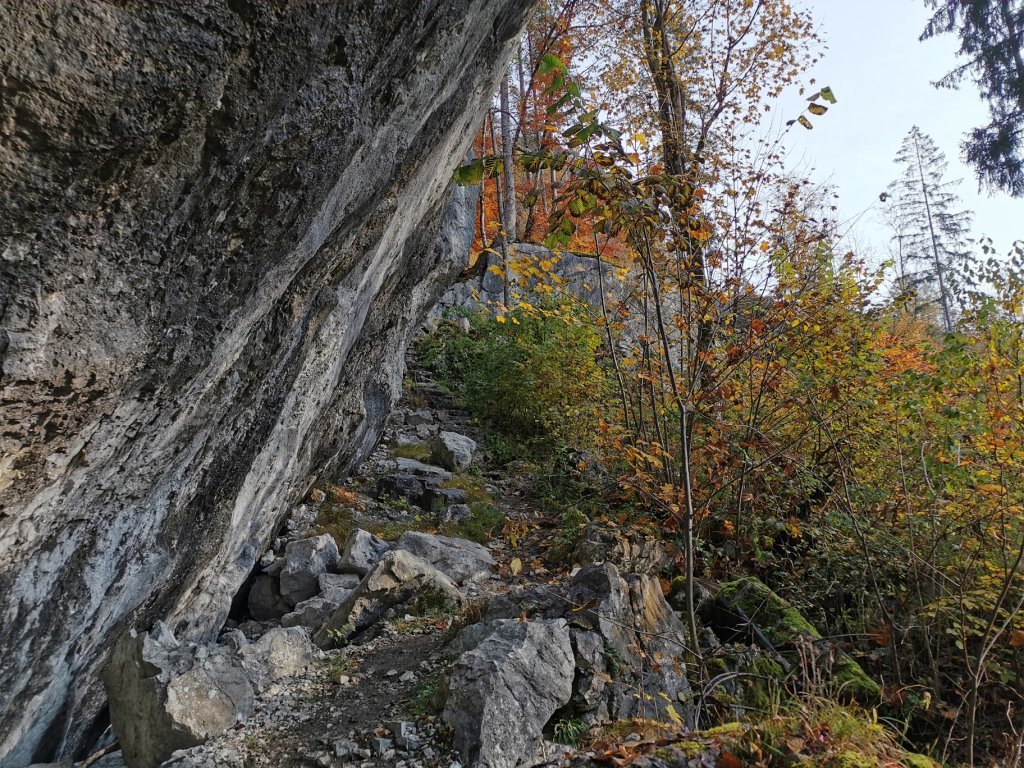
(882, 79)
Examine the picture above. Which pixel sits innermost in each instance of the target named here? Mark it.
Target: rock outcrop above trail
(220, 222)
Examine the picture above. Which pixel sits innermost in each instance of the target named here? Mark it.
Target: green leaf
(559, 104)
(470, 174)
(549, 63)
(494, 166)
(827, 95)
(805, 122)
(817, 109)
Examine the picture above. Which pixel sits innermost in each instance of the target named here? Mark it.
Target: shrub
(531, 374)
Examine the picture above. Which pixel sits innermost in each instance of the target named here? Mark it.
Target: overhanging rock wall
(219, 221)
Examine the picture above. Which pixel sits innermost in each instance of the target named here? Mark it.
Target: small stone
(407, 677)
(456, 513)
(381, 746)
(391, 673)
(346, 748)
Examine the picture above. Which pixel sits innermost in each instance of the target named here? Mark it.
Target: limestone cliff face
(219, 220)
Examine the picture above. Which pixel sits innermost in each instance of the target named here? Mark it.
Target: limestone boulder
(280, 652)
(452, 450)
(399, 578)
(461, 560)
(502, 692)
(643, 643)
(362, 551)
(312, 613)
(165, 695)
(304, 561)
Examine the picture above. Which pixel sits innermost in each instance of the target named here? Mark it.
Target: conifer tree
(931, 227)
(992, 42)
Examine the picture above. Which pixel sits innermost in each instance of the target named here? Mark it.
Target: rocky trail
(376, 632)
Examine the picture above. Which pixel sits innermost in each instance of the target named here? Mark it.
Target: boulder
(234, 639)
(305, 560)
(643, 644)
(631, 551)
(362, 551)
(400, 486)
(165, 695)
(461, 560)
(504, 691)
(748, 605)
(398, 578)
(329, 581)
(314, 612)
(265, 601)
(452, 450)
(428, 472)
(281, 652)
(456, 513)
(420, 416)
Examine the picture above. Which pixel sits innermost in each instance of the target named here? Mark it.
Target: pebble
(391, 673)
(407, 677)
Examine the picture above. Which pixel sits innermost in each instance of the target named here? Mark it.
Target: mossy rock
(851, 759)
(783, 625)
(914, 760)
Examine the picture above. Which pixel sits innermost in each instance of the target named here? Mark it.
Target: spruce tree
(931, 227)
(991, 40)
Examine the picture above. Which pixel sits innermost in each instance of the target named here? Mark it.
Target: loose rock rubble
(427, 651)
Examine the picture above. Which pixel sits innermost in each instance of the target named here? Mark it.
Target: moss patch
(914, 760)
(416, 451)
(782, 624)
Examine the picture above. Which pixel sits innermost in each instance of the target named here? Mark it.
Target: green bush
(532, 375)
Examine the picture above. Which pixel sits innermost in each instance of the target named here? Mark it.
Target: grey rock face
(304, 561)
(578, 276)
(281, 652)
(166, 695)
(362, 551)
(461, 560)
(502, 693)
(398, 578)
(220, 222)
(452, 450)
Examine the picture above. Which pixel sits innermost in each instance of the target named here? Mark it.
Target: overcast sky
(882, 76)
